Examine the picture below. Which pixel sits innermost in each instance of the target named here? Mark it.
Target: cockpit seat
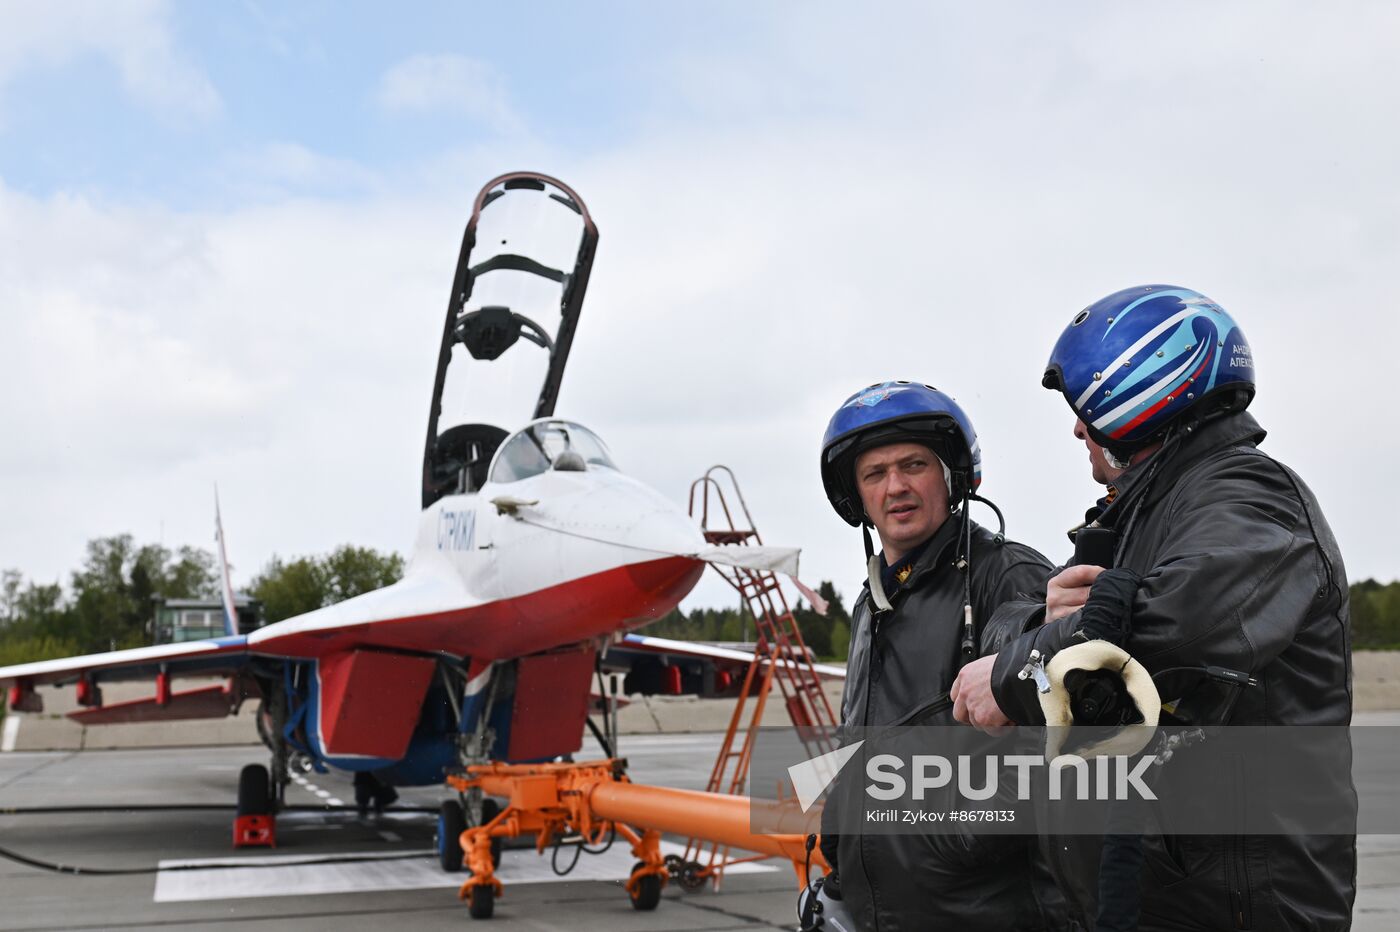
(462, 456)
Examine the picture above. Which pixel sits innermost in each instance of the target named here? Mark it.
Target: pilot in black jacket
(1230, 563)
(894, 456)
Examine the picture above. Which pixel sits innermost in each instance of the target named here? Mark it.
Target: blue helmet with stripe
(1136, 362)
(897, 412)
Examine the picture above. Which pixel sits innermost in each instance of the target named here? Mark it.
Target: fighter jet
(535, 553)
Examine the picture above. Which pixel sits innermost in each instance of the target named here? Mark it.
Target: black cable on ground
(128, 871)
(189, 807)
(195, 807)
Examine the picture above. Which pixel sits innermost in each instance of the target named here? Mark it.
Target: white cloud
(941, 221)
(149, 354)
(276, 170)
(451, 84)
(134, 35)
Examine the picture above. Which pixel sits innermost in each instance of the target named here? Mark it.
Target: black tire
(648, 895)
(451, 824)
(691, 875)
(489, 810)
(482, 903)
(254, 791)
(364, 792)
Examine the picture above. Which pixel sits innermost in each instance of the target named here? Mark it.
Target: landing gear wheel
(692, 875)
(482, 903)
(450, 826)
(489, 810)
(254, 791)
(364, 794)
(648, 887)
(370, 792)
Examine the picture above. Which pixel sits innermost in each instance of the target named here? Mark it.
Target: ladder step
(735, 536)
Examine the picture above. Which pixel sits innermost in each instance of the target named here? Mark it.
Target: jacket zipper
(864, 851)
(1237, 876)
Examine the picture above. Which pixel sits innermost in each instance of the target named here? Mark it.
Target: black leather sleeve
(1229, 582)
(1006, 605)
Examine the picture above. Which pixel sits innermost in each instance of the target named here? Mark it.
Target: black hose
(76, 870)
(607, 744)
(554, 858)
(187, 807)
(999, 537)
(582, 849)
(178, 807)
(602, 739)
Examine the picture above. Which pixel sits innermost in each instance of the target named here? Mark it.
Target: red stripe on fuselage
(625, 597)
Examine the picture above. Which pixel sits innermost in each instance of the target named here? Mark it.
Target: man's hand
(973, 702)
(1067, 592)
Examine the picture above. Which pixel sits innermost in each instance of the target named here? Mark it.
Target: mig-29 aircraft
(534, 554)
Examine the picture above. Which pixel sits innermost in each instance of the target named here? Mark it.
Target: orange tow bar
(594, 798)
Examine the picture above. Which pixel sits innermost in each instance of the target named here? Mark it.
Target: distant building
(197, 619)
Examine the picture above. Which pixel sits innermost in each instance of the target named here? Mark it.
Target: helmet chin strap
(1115, 461)
(872, 571)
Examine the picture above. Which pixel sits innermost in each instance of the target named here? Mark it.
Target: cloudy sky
(227, 234)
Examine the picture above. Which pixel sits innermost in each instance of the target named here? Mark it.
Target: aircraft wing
(769, 559)
(640, 655)
(214, 657)
(726, 655)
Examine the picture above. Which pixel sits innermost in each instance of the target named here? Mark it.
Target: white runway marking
(11, 733)
(310, 787)
(364, 874)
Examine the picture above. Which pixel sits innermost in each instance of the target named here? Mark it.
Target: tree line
(1375, 615)
(109, 602)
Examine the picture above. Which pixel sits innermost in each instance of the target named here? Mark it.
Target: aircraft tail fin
(225, 580)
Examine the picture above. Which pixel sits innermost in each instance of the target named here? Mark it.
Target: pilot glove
(1107, 615)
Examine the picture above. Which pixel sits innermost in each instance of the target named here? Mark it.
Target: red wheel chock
(254, 831)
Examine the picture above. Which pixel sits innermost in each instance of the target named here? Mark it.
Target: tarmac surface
(359, 892)
(385, 872)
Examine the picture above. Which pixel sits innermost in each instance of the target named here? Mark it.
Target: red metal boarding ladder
(779, 656)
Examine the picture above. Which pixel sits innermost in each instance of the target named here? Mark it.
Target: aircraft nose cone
(639, 518)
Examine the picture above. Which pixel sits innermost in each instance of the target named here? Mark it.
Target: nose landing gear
(254, 823)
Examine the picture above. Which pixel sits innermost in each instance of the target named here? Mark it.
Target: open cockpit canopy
(552, 444)
(520, 281)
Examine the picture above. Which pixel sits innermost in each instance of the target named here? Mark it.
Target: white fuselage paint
(469, 554)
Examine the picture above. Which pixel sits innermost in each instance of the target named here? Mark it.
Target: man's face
(902, 489)
(1103, 473)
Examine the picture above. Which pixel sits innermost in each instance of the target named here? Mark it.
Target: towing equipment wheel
(489, 810)
(648, 888)
(450, 826)
(482, 903)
